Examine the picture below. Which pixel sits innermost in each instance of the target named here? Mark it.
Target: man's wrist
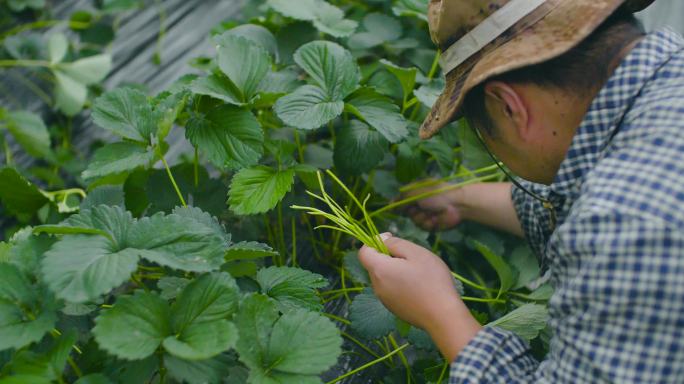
(453, 329)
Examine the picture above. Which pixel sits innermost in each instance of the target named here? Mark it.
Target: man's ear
(507, 107)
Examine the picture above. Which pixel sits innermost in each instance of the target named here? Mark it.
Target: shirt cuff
(493, 356)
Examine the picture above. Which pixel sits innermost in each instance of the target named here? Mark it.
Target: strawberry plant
(159, 268)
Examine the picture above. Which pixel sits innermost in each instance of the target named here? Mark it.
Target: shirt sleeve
(616, 317)
(536, 220)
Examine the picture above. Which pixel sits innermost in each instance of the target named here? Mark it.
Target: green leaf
(332, 68)
(177, 242)
(125, 112)
(292, 288)
(204, 219)
(441, 152)
(359, 149)
(279, 83)
(255, 34)
(379, 29)
(26, 312)
(212, 370)
(282, 349)
(473, 154)
(70, 95)
(307, 108)
(412, 8)
(135, 327)
(330, 20)
(326, 17)
(353, 266)
(249, 250)
(503, 270)
(30, 132)
(171, 286)
(219, 87)
(58, 46)
(259, 189)
(25, 250)
(18, 195)
(20, 5)
(369, 317)
(94, 378)
(380, 113)
(112, 220)
(410, 163)
(111, 195)
(524, 261)
(228, 136)
(48, 364)
(80, 268)
(245, 63)
(428, 94)
(117, 158)
(199, 317)
(526, 321)
(406, 76)
(87, 71)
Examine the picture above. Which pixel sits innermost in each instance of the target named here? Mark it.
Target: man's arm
(617, 314)
(488, 204)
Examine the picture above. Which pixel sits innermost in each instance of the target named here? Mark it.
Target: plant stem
(444, 370)
(294, 242)
(471, 283)
(337, 318)
(343, 280)
(42, 24)
(403, 359)
(162, 32)
(435, 66)
(433, 182)
(334, 291)
(281, 235)
(24, 63)
(8, 153)
(33, 87)
(426, 195)
(360, 344)
(300, 149)
(368, 365)
(196, 167)
(480, 300)
(173, 181)
(74, 367)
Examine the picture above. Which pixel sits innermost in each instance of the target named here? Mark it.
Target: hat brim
(563, 28)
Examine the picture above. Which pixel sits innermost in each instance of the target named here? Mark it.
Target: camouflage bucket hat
(480, 39)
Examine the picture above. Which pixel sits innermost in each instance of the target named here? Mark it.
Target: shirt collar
(608, 109)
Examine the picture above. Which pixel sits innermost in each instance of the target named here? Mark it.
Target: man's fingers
(405, 249)
(371, 258)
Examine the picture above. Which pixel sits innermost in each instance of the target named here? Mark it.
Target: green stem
(435, 66)
(480, 300)
(334, 291)
(300, 149)
(294, 242)
(42, 24)
(74, 367)
(433, 182)
(337, 318)
(472, 283)
(24, 63)
(8, 153)
(162, 32)
(443, 373)
(281, 235)
(361, 345)
(33, 88)
(173, 180)
(196, 167)
(403, 359)
(343, 279)
(428, 194)
(368, 365)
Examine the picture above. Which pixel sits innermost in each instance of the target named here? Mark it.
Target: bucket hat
(480, 39)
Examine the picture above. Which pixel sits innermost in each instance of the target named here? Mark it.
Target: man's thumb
(371, 257)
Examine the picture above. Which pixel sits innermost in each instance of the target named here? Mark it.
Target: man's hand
(416, 285)
(436, 212)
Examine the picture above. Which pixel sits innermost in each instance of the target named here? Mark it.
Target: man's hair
(579, 71)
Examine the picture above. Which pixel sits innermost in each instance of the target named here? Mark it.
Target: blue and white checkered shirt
(616, 256)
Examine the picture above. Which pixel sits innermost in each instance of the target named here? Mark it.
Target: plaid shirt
(616, 256)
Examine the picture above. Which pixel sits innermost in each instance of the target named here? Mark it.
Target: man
(572, 96)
